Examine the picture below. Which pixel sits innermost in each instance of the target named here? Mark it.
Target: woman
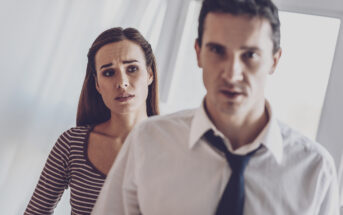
(119, 90)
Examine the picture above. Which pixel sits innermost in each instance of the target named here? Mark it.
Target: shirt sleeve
(340, 183)
(330, 203)
(53, 180)
(119, 193)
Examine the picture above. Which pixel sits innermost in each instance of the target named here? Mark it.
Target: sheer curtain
(44, 44)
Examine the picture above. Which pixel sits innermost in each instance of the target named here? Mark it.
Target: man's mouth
(232, 94)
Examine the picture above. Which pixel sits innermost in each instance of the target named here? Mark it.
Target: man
(230, 156)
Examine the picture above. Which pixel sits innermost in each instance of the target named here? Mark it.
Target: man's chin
(230, 108)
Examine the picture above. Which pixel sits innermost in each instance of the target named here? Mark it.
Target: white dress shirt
(340, 182)
(166, 167)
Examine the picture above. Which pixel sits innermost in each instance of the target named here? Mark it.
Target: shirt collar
(200, 124)
(270, 136)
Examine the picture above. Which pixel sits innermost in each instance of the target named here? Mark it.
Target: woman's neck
(120, 125)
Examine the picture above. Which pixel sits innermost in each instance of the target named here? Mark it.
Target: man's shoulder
(298, 146)
(176, 119)
(162, 128)
(294, 138)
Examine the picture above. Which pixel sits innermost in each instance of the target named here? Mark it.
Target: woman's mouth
(124, 98)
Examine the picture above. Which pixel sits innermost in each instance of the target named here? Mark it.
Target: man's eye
(108, 73)
(250, 55)
(217, 50)
(132, 69)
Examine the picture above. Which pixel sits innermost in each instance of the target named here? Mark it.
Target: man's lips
(231, 93)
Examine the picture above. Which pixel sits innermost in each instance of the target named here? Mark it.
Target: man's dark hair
(253, 8)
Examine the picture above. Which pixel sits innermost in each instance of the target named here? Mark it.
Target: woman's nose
(122, 81)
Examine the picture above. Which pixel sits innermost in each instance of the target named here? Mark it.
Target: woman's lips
(124, 98)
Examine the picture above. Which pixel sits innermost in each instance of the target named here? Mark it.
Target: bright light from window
(296, 90)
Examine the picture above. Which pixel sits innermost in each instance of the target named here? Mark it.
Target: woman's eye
(108, 72)
(132, 69)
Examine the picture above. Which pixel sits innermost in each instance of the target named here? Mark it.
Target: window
(297, 89)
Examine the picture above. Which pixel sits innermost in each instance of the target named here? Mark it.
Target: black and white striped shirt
(68, 166)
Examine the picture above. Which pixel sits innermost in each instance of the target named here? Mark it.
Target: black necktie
(232, 200)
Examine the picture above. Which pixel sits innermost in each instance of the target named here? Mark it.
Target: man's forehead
(220, 20)
(225, 27)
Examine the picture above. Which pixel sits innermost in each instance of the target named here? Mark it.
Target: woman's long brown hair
(91, 109)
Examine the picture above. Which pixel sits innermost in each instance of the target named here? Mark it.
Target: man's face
(236, 57)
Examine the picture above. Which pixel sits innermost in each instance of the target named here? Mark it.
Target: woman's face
(122, 77)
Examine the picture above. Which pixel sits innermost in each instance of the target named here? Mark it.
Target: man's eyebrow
(212, 44)
(251, 48)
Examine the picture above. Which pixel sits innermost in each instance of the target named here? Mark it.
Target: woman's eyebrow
(129, 61)
(124, 62)
(106, 65)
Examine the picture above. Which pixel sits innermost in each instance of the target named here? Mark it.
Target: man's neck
(241, 128)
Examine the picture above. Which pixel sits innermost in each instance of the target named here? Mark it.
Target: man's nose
(233, 69)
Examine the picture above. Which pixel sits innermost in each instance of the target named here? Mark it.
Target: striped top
(68, 166)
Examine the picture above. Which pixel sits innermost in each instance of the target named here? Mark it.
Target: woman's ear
(150, 76)
(96, 82)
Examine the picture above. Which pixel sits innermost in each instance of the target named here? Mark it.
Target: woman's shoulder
(79, 129)
(76, 133)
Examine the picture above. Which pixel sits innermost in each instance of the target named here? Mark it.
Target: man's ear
(150, 76)
(197, 51)
(276, 58)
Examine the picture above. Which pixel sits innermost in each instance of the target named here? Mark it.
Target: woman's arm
(53, 179)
